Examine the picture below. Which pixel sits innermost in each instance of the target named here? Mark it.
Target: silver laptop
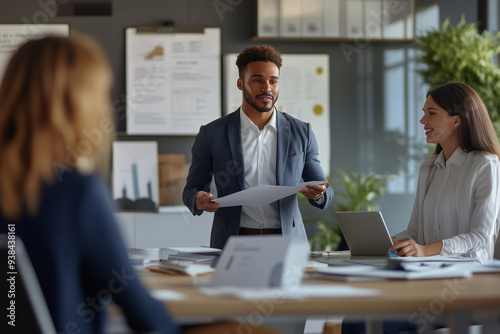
(365, 232)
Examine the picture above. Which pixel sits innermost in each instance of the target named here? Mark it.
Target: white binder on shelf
(312, 18)
(373, 19)
(354, 19)
(268, 18)
(332, 19)
(398, 23)
(290, 18)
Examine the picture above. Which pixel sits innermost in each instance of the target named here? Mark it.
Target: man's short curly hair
(258, 53)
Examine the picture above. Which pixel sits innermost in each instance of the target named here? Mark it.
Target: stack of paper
(139, 257)
(195, 254)
(369, 272)
(186, 267)
(407, 268)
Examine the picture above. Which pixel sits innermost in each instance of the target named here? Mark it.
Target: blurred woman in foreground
(55, 129)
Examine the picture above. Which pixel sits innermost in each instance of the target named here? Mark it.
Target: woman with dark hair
(456, 210)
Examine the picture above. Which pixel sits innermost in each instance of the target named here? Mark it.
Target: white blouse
(458, 202)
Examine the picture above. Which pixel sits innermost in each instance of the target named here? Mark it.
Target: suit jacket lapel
(234, 135)
(282, 145)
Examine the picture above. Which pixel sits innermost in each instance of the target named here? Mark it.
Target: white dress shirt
(458, 202)
(259, 158)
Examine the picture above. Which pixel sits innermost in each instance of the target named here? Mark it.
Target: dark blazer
(216, 153)
(79, 257)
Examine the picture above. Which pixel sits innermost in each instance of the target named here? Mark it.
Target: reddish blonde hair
(48, 102)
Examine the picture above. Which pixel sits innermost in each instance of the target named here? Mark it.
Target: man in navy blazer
(255, 145)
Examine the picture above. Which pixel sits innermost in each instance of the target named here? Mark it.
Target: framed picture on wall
(135, 175)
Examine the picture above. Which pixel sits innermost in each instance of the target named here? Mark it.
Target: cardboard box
(173, 171)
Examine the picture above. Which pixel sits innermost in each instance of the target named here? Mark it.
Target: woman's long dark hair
(476, 132)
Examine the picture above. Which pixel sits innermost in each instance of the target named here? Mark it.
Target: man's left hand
(313, 192)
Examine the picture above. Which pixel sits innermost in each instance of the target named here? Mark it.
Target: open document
(262, 195)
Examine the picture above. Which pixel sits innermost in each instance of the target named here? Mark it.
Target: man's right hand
(204, 202)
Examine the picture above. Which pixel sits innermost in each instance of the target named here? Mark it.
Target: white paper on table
(163, 295)
(303, 291)
(429, 272)
(195, 250)
(434, 258)
(262, 195)
(476, 267)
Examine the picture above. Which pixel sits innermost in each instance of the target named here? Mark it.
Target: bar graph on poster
(172, 80)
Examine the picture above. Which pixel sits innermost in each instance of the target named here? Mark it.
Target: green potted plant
(461, 53)
(353, 192)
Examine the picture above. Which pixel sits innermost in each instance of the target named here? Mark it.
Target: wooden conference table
(454, 301)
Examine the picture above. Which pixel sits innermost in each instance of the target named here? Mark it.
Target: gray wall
(376, 94)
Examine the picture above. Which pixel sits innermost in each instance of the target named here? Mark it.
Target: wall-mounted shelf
(332, 39)
(336, 20)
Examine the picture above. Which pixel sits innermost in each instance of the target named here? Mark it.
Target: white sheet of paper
(303, 291)
(374, 272)
(167, 295)
(262, 195)
(434, 258)
(195, 250)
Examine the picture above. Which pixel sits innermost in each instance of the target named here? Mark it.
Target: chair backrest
(22, 297)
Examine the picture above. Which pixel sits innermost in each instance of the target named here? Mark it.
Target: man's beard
(253, 103)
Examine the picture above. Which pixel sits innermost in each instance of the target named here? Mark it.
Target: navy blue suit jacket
(217, 153)
(81, 261)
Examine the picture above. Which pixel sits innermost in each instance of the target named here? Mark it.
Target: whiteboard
(13, 35)
(172, 81)
(304, 94)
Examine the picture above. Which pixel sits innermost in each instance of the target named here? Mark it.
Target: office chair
(22, 296)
